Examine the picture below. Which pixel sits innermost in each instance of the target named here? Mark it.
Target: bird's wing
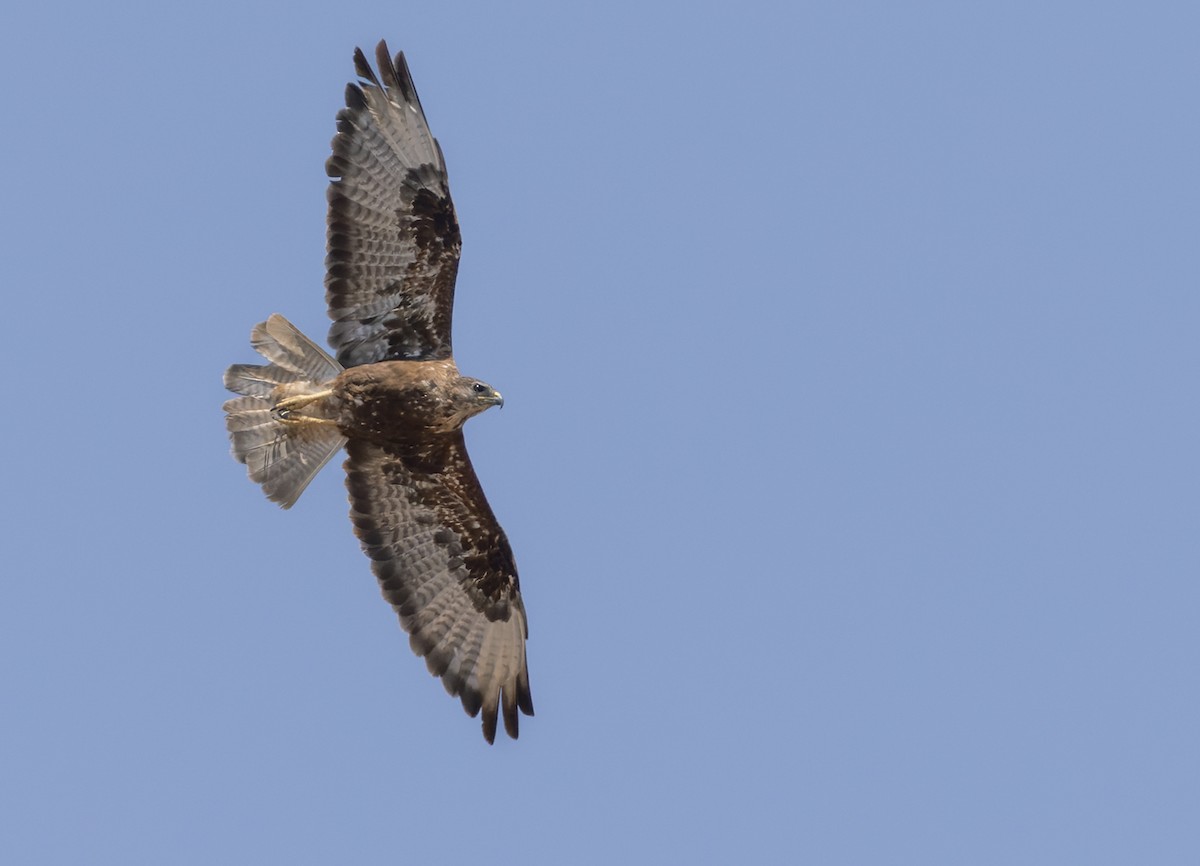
(444, 564)
(393, 240)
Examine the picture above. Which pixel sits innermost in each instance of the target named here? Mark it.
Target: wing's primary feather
(393, 238)
(444, 564)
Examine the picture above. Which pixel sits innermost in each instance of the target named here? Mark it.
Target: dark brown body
(405, 401)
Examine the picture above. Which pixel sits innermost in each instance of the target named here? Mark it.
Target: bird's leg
(286, 409)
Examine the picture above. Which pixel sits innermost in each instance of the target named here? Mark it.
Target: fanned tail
(277, 427)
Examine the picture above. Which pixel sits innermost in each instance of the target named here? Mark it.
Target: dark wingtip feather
(471, 700)
(382, 55)
(489, 725)
(511, 721)
(356, 101)
(396, 76)
(363, 68)
(524, 698)
(383, 59)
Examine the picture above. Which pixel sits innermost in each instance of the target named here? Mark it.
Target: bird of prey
(395, 399)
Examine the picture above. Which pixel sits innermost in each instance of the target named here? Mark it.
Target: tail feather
(279, 341)
(282, 452)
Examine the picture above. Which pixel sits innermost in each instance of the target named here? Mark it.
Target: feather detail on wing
(393, 238)
(444, 564)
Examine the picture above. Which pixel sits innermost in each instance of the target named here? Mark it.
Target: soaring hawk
(395, 399)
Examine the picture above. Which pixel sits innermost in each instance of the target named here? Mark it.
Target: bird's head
(475, 396)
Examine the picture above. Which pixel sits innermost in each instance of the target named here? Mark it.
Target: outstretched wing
(444, 564)
(393, 239)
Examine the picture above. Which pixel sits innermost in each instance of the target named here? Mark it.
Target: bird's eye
(479, 388)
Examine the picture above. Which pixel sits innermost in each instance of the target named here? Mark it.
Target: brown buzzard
(395, 399)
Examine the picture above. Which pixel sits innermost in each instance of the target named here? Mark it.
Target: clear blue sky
(849, 455)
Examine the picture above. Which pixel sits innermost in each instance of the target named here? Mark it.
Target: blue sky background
(849, 453)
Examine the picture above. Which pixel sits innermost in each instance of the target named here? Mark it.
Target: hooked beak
(497, 398)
